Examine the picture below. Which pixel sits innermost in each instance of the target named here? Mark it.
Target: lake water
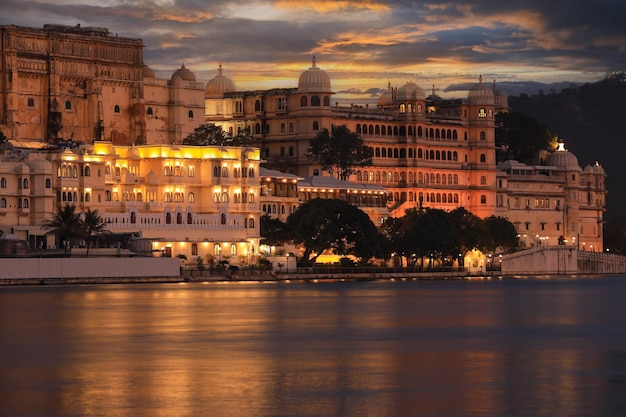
(416, 348)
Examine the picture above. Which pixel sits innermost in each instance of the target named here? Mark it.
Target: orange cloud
(325, 6)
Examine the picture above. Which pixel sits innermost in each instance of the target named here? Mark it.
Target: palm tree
(93, 225)
(66, 224)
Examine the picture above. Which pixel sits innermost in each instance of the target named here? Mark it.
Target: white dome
(481, 94)
(184, 74)
(410, 91)
(218, 85)
(563, 158)
(314, 80)
(40, 165)
(386, 98)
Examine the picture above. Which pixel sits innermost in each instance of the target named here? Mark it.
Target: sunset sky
(362, 44)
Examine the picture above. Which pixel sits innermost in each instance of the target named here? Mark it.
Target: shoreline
(284, 278)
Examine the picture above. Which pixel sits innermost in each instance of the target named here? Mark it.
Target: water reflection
(345, 349)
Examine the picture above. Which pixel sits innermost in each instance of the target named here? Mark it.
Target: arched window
(223, 218)
(483, 180)
(194, 249)
(483, 199)
(3, 202)
(25, 184)
(250, 223)
(48, 183)
(179, 218)
(190, 114)
(456, 179)
(483, 135)
(217, 249)
(233, 249)
(168, 218)
(150, 111)
(192, 198)
(68, 105)
(107, 195)
(224, 197)
(3, 183)
(133, 217)
(116, 109)
(483, 158)
(257, 105)
(316, 126)
(87, 197)
(189, 218)
(303, 101)
(315, 101)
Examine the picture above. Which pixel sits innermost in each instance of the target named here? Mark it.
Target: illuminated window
(482, 113)
(233, 249)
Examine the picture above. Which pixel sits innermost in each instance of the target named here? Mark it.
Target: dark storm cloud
(401, 39)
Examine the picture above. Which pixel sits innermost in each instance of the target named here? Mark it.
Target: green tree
(275, 232)
(339, 153)
(503, 234)
(523, 137)
(470, 229)
(209, 134)
(93, 225)
(66, 224)
(322, 224)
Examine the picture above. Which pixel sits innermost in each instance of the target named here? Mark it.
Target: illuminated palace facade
(428, 151)
(189, 200)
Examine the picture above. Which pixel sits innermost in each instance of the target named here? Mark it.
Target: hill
(588, 118)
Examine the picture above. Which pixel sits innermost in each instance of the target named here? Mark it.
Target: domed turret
(563, 158)
(501, 100)
(218, 85)
(133, 152)
(40, 166)
(314, 80)
(148, 72)
(184, 74)
(481, 94)
(410, 91)
(386, 98)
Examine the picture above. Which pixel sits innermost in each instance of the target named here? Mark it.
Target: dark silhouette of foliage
(331, 224)
(503, 234)
(212, 135)
(93, 225)
(340, 152)
(523, 137)
(615, 235)
(274, 231)
(66, 224)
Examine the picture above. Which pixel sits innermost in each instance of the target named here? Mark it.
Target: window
(315, 101)
(233, 249)
(107, 195)
(483, 180)
(326, 101)
(168, 218)
(3, 183)
(316, 126)
(190, 114)
(290, 127)
(87, 171)
(116, 109)
(3, 202)
(483, 158)
(482, 113)
(223, 218)
(30, 102)
(48, 183)
(68, 105)
(192, 198)
(483, 199)
(194, 249)
(303, 101)
(483, 136)
(150, 111)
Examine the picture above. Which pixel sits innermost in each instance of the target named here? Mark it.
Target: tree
(93, 225)
(503, 234)
(66, 224)
(523, 136)
(615, 235)
(274, 231)
(209, 134)
(470, 230)
(331, 224)
(339, 153)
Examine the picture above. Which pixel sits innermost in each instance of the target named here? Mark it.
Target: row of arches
(442, 134)
(413, 178)
(419, 153)
(21, 203)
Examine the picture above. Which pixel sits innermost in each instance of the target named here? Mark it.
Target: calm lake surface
(428, 348)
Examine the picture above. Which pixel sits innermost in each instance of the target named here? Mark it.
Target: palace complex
(89, 124)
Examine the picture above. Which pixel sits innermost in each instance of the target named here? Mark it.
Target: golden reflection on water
(398, 349)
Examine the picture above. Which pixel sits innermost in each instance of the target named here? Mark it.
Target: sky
(363, 45)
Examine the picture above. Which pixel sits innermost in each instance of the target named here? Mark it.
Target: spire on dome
(480, 79)
(219, 70)
(314, 62)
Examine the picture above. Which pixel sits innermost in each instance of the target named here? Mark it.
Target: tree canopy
(339, 152)
(523, 136)
(93, 225)
(332, 224)
(209, 134)
(66, 224)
